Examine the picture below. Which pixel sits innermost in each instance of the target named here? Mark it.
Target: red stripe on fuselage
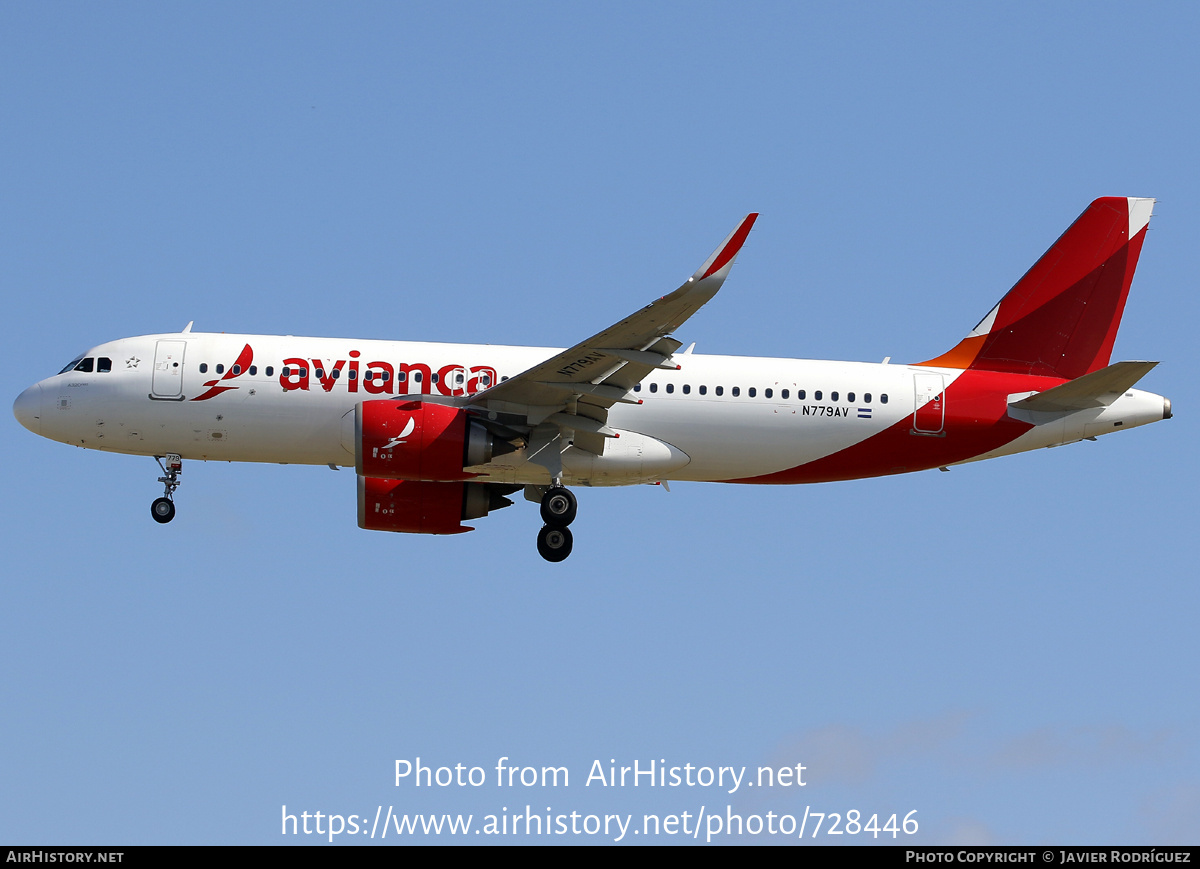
(976, 422)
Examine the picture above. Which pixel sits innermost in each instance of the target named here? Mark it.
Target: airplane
(441, 434)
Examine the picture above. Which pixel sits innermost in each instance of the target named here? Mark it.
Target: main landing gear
(163, 509)
(559, 507)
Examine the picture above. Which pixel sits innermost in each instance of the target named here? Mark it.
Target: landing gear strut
(163, 509)
(559, 507)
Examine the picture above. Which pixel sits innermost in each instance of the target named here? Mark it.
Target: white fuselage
(717, 418)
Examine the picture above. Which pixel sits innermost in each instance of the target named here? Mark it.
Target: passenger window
(303, 371)
(402, 376)
(800, 395)
(353, 375)
(237, 369)
(270, 370)
(833, 396)
(220, 369)
(335, 373)
(867, 397)
(637, 387)
(204, 368)
(287, 371)
(253, 370)
(416, 376)
(320, 372)
(783, 394)
(850, 397)
(767, 393)
(670, 387)
(485, 380)
(104, 364)
(704, 390)
(86, 365)
(720, 390)
(737, 390)
(752, 392)
(817, 395)
(433, 377)
(883, 398)
(687, 389)
(654, 387)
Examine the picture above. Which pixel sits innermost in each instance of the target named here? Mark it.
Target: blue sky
(1008, 648)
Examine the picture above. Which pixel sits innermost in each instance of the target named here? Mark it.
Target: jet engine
(418, 440)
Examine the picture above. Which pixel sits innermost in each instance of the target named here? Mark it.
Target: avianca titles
(440, 434)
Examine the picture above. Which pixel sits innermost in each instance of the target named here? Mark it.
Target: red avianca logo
(245, 358)
(374, 378)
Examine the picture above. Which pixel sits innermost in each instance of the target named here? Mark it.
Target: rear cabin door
(930, 414)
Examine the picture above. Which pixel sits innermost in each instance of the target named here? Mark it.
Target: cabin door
(930, 414)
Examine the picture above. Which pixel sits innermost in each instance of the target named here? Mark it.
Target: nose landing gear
(559, 507)
(163, 509)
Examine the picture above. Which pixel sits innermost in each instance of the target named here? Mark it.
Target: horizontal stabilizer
(1098, 389)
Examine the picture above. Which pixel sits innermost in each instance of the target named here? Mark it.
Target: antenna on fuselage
(188, 327)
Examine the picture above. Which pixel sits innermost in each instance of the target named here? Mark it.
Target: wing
(573, 390)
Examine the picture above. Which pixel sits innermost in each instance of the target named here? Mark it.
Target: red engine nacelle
(417, 440)
(419, 507)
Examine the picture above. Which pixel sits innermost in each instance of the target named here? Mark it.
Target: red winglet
(729, 249)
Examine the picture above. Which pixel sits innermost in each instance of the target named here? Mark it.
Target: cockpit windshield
(70, 366)
(89, 364)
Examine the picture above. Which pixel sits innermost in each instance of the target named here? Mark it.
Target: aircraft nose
(28, 408)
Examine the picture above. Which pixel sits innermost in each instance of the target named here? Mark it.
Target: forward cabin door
(168, 370)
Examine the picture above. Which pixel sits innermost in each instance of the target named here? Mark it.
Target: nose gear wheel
(163, 510)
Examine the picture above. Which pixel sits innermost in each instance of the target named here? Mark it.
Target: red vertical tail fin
(1061, 318)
